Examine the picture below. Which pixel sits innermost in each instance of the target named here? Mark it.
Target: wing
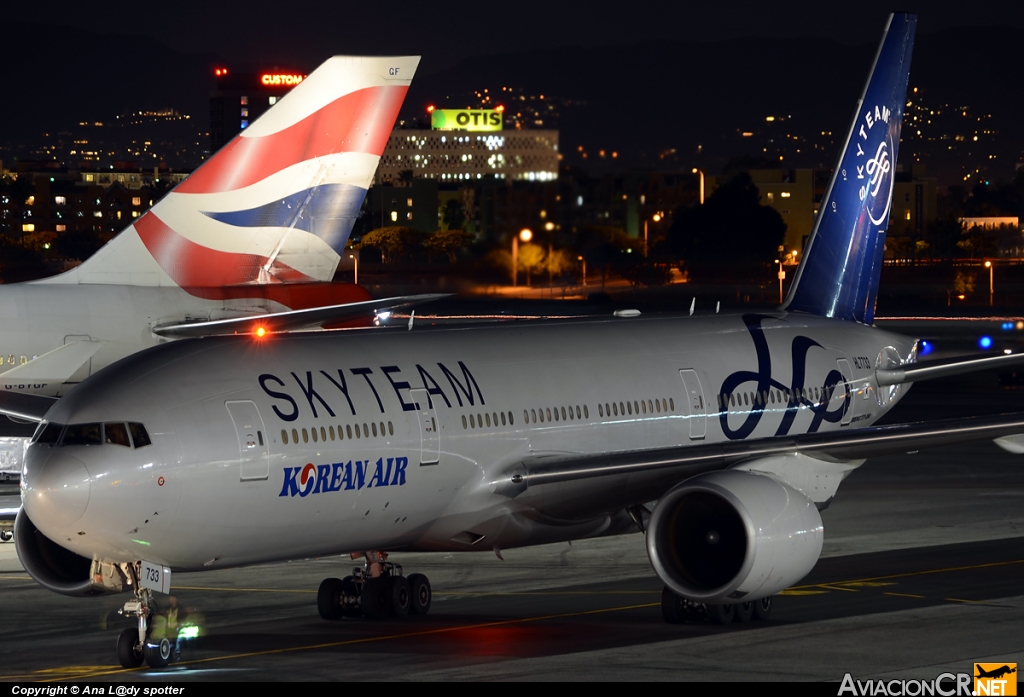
(292, 320)
(627, 477)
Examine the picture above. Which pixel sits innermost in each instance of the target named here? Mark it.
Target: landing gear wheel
(159, 655)
(350, 592)
(400, 596)
(763, 609)
(126, 653)
(329, 599)
(374, 598)
(6, 535)
(744, 611)
(721, 614)
(420, 594)
(673, 608)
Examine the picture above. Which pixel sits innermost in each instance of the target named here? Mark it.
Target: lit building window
(906, 214)
(245, 112)
(408, 216)
(771, 197)
(30, 201)
(60, 200)
(62, 228)
(97, 214)
(408, 202)
(28, 227)
(245, 123)
(785, 194)
(394, 216)
(272, 101)
(244, 101)
(136, 200)
(135, 214)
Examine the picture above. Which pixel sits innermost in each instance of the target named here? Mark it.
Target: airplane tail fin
(839, 274)
(277, 203)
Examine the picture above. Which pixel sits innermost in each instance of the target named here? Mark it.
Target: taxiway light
(985, 342)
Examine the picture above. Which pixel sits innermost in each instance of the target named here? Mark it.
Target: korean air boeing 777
(225, 451)
(251, 238)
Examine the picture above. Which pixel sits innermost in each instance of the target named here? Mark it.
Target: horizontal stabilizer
(54, 367)
(27, 407)
(944, 368)
(292, 320)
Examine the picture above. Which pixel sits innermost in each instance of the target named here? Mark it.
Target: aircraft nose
(56, 487)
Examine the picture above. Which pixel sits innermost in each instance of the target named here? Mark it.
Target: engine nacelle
(733, 537)
(53, 567)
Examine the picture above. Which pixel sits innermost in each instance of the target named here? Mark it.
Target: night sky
(304, 32)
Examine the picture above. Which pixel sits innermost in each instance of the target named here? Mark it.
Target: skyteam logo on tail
(874, 163)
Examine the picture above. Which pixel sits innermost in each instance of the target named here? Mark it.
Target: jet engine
(52, 566)
(733, 537)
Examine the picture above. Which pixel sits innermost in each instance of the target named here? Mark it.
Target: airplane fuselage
(305, 445)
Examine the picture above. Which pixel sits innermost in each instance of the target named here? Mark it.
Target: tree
(394, 242)
(454, 214)
(531, 260)
(731, 230)
(77, 244)
(447, 242)
(942, 237)
(603, 246)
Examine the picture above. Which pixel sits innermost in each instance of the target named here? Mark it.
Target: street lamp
(355, 278)
(656, 217)
(697, 171)
(525, 235)
(580, 258)
(988, 265)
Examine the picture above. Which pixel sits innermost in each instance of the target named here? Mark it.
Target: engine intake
(52, 566)
(731, 536)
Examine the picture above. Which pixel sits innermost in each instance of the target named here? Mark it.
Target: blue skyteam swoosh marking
(328, 211)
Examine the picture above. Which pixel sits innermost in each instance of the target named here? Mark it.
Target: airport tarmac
(922, 572)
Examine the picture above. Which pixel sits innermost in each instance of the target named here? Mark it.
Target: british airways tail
(277, 203)
(839, 274)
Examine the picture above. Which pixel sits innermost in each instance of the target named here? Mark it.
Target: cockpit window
(139, 435)
(82, 434)
(50, 434)
(116, 434)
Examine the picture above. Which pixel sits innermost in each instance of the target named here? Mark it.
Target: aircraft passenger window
(548, 414)
(348, 429)
(323, 434)
(366, 431)
(533, 416)
(341, 432)
(600, 410)
(116, 434)
(636, 407)
(503, 418)
(643, 407)
(259, 436)
(81, 434)
(479, 421)
(331, 432)
(664, 404)
(746, 399)
(305, 436)
(374, 430)
(314, 434)
(495, 419)
(672, 404)
(526, 416)
(586, 411)
(511, 422)
(391, 429)
(140, 437)
(488, 420)
(556, 413)
(50, 434)
(472, 421)
(295, 436)
(465, 424)
(571, 415)
(622, 409)
(563, 413)
(284, 436)
(578, 415)
(630, 408)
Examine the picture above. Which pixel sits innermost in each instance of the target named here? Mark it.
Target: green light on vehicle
(188, 632)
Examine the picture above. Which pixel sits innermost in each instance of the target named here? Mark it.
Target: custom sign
(466, 120)
(281, 79)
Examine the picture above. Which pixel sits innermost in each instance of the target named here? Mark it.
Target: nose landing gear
(376, 591)
(148, 642)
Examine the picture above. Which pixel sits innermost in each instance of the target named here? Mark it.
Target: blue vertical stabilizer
(843, 261)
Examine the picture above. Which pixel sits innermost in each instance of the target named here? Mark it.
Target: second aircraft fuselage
(336, 442)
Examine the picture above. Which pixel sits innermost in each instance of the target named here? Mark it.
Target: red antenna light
(430, 109)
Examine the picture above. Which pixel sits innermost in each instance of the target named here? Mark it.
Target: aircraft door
(695, 403)
(430, 437)
(253, 449)
(845, 389)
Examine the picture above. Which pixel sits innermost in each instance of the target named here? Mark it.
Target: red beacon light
(220, 72)
(260, 332)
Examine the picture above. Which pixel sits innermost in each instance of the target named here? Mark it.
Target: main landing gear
(676, 610)
(149, 642)
(376, 591)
